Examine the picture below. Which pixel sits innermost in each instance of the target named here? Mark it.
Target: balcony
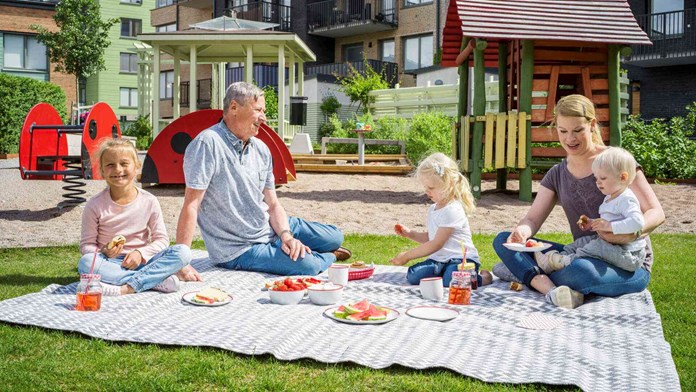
(343, 18)
(203, 93)
(263, 11)
(674, 39)
(388, 70)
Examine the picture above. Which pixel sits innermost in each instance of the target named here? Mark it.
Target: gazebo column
(300, 77)
(193, 96)
(222, 85)
(614, 96)
(462, 108)
(249, 64)
(155, 90)
(526, 82)
(176, 88)
(479, 110)
(501, 174)
(281, 90)
(291, 81)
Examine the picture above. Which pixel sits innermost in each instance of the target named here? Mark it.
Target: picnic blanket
(609, 344)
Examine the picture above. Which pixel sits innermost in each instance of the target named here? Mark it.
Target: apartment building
(662, 75)
(20, 53)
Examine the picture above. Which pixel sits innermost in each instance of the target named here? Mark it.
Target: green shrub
(271, 98)
(429, 132)
(663, 148)
(19, 94)
(142, 130)
(329, 105)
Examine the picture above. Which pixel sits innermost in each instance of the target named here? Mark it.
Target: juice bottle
(89, 293)
(460, 288)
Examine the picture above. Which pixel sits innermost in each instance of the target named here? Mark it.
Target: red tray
(361, 273)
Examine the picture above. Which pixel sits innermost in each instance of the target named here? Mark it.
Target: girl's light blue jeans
(146, 276)
(431, 268)
(584, 274)
(322, 239)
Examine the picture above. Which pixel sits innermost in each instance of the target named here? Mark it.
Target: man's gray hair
(240, 92)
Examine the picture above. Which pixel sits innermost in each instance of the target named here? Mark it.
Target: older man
(230, 192)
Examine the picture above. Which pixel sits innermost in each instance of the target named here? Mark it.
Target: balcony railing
(263, 11)
(329, 17)
(388, 70)
(673, 35)
(203, 93)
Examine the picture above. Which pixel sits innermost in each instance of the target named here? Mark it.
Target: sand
(355, 203)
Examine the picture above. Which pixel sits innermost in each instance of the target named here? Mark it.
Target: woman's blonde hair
(577, 105)
(616, 160)
(113, 144)
(443, 169)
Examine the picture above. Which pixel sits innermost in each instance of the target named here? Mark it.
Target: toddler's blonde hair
(577, 105)
(444, 170)
(616, 160)
(113, 144)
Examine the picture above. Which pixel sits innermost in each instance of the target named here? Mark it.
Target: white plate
(436, 313)
(188, 297)
(391, 315)
(517, 247)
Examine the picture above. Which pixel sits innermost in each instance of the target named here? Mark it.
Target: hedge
(19, 94)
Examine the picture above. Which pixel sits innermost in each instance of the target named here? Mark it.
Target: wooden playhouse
(543, 50)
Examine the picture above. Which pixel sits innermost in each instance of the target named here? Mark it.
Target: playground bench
(372, 142)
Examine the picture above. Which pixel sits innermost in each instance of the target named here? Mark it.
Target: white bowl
(325, 294)
(286, 297)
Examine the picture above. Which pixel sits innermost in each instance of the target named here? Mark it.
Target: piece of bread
(583, 221)
(358, 264)
(211, 294)
(116, 241)
(516, 286)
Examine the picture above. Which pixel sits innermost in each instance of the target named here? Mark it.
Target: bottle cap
(461, 275)
(468, 266)
(90, 276)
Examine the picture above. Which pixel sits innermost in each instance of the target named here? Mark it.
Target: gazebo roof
(605, 21)
(229, 46)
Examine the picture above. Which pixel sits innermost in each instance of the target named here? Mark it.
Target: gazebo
(217, 46)
(543, 50)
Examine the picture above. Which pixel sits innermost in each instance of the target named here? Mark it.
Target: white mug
(431, 288)
(338, 274)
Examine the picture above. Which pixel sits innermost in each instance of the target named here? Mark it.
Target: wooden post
(462, 106)
(526, 81)
(614, 96)
(479, 110)
(155, 91)
(501, 174)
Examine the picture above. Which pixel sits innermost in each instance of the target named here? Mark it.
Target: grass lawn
(38, 359)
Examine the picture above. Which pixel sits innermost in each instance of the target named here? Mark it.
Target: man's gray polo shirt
(233, 214)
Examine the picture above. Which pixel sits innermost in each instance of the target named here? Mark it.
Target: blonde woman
(572, 184)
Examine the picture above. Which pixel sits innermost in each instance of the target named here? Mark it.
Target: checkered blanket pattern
(609, 344)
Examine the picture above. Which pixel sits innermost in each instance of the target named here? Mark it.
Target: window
(131, 27)
(409, 3)
(129, 97)
(166, 28)
(129, 62)
(132, 1)
(166, 83)
(164, 3)
(353, 52)
(418, 52)
(24, 52)
(388, 51)
(667, 18)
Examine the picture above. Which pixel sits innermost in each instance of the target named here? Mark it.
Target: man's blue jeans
(322, 240)
(146, 276)
(586, 275)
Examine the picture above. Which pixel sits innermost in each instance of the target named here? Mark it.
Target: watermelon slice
(340, 312)
(372, 313)
(358, 307)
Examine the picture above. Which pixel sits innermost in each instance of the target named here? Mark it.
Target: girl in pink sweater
(144, 261)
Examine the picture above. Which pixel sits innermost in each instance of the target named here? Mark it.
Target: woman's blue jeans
(586, 275)
(320, 238)
(146, 276)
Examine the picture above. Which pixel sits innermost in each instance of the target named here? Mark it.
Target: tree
(357, 86)
(77, 48)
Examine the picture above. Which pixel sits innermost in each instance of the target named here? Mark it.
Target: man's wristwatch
(280, 235)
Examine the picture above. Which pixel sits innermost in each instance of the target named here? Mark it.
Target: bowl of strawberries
(287, 291)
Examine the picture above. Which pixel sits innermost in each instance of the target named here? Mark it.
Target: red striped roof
(604, 21)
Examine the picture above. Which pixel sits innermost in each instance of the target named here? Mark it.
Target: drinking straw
(461, 266)
(91, 268)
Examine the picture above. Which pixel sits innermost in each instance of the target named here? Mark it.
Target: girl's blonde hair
(616, 160)
(118, 143)
(577, 105)
(444, 170)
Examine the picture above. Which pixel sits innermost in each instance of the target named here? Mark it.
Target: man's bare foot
(189, 274)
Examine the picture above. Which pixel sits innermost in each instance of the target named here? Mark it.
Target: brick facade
(19, 20)
(664, 91)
